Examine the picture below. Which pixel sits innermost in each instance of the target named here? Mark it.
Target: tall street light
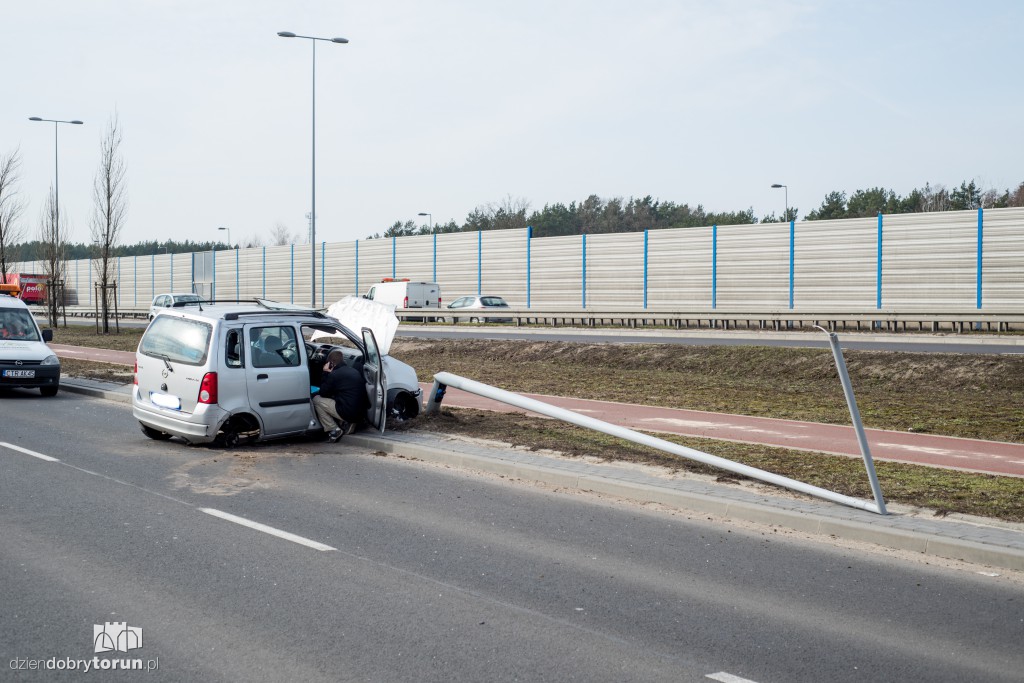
(785, 216)
(229, 236)
(431, 219)
(312, 213)
(56, 165)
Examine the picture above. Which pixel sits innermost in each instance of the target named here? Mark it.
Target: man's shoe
(335, 434)
(348, 428)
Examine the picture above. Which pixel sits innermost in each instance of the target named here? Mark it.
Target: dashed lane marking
(286, 535)
(28, 452)
(724, 677)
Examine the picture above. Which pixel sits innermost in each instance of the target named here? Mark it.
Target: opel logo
(18, 362)
(163, 373)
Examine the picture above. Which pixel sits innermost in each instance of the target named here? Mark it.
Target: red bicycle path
(976, 455)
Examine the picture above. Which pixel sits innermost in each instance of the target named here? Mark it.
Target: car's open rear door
(376, 388)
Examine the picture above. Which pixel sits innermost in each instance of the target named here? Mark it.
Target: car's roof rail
(234, 315)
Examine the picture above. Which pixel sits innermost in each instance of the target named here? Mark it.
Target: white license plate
(165, 400)
(19, 373)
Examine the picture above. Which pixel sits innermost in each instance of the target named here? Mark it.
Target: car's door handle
(262, 376)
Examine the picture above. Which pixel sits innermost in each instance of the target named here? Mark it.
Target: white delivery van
(25, 359)
(405, 294)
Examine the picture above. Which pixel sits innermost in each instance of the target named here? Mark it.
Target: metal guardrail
(881, 320)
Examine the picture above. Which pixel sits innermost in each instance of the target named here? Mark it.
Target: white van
(25, 359)
(405, 294)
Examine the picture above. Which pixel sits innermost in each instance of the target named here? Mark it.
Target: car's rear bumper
(198, 427)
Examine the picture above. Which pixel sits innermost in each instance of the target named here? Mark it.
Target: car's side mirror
(47, 335)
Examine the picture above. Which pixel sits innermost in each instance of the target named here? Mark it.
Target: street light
(56, 166)
(312, 219)
(229, 235)
(431, 218)
(785, 216)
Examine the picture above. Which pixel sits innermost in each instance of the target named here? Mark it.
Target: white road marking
(267, 529)
(28, 452)
(724, 677)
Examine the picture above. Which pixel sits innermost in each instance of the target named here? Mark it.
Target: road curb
(852, 530)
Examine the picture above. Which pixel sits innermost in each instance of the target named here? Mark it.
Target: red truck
(33, 287)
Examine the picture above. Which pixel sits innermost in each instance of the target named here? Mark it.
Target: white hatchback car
(164, 301)
(25, 359)
(228, 373)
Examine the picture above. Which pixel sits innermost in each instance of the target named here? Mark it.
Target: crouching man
(340, 402)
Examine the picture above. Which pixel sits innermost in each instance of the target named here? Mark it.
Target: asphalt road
(436, 575)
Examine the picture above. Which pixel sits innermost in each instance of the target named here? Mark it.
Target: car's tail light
(439, 302)
(208, 388)
(135, 372)
(405, 302)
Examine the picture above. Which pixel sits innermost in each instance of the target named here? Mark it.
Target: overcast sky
(446, 105)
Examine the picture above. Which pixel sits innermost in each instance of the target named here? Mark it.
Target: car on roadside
(488, 305)
(162, 302)
(25, 359)
(228, 373)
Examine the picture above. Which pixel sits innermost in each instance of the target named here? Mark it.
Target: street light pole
(430, 217)
(785, 216)
(312, 224)
(230, 244)
(56, 165)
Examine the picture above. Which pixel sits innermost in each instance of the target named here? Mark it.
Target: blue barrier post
(479, 262)
(135, 280)
(529, 238)
(394, 257)
(238, 294)
(584, 283)
(878, 278)
(433, 278)
(357, 267)
(264, 272)
(213, 287)
(171, 257)
(792, 244)
(152, 275)
(323, 275)
(980, 251)
(293, 275)
(646, 236)
(714, 266)
(88, 270)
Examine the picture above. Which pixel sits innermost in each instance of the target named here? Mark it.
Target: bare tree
(53, 245)
(110, 206)
(11, 208)
(280, 235)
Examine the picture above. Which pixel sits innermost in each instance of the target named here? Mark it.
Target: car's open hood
(355, 313)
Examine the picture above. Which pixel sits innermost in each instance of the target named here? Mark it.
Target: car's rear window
(187, 299)
(177, 339)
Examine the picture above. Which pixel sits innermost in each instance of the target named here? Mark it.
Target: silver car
(246, 372)
(488, 305)
(164, 301)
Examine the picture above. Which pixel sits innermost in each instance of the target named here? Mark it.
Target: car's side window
(233, 349)
(274, 346)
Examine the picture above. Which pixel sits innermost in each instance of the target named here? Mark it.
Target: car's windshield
(18, 324)
(493, 301)
(176, 339)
